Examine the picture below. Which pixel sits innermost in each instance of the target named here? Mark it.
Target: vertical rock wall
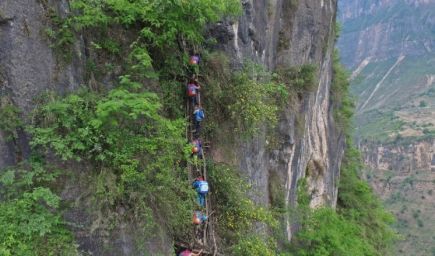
(282, 34)
(28, 65)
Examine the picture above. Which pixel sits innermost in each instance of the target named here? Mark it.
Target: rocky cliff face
(28, 65)
(389, 47)
(403, 176)
(282, 34)
(276, 33)
(403, 159)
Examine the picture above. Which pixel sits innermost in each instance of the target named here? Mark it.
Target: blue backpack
(199, 115)
(203, 186)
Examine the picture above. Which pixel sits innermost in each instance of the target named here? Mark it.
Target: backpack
(194, 60)
(186, 253)
(191, 90)
(200, 115)
(196, 219)
(195, 149)
(203, 187)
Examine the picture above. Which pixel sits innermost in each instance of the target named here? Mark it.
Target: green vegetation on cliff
(237, 214)
(30, 221)
(128, 140)
(358, 203)
(133, 155)
(9, 119)
(122, 133)
(243, 99)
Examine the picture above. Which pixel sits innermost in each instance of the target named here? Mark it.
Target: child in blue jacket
(201, 187)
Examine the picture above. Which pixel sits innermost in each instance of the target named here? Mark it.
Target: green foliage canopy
(325, 232)
(29, 221)
(358, 203)
(122, 134)
(162, 22)
(155, 27)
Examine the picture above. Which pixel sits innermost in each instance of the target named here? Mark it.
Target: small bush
(422, 104)
(61, 35)
(254, 102)
(252, 245)
(10, 119)
(301, 78)
(247, 99)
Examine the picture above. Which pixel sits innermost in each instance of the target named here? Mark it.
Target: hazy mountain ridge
(386, 29)
(390, 47)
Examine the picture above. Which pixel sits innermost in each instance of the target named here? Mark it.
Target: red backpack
(191, 90)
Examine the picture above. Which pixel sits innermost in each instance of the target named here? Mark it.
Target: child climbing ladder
(195, 113)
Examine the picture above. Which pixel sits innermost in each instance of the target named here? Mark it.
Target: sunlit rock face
(281, 34)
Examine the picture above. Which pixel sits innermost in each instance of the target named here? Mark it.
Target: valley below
(389, 48)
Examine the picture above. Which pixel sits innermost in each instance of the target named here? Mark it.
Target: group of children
(199, 184)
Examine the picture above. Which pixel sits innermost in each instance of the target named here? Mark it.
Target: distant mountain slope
(389, 46)
(383, 29)
(410, 196)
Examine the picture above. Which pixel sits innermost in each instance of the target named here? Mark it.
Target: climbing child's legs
(197, 128)
(193, 100)
(201, 199)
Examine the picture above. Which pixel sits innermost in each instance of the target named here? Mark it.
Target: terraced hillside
(396, 98)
